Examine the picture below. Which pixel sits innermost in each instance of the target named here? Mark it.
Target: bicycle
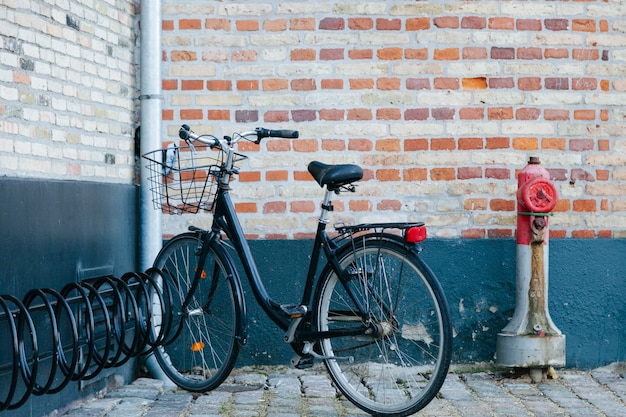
(374, 313)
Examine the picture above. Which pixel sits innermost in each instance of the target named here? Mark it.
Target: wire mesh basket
(183, 179)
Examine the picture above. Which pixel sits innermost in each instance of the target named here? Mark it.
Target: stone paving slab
(288, 392)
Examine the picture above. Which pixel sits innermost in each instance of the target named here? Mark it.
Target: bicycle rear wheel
(199, 346)
(397, 366)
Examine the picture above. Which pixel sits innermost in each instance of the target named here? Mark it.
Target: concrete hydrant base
(528, 351)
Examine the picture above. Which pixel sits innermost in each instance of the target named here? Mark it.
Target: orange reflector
(197, 347)
(415, 234)
(203, 274)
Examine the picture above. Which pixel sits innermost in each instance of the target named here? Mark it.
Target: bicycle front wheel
(198, 345)
(398, 362)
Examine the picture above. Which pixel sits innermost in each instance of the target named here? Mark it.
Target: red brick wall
(440, 102)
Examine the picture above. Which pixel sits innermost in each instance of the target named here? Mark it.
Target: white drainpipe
(150, 74)
(151, 235)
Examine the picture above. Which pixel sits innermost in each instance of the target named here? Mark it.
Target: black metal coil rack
(50, 337)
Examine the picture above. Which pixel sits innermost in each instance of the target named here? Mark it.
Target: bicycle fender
(346, 247)
(415, 248)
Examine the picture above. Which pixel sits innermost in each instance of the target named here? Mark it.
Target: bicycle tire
(201, 348)
(397, 370)
(158, 305)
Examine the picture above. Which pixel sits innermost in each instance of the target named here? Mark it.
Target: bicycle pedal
(293, 310)
(302, 362)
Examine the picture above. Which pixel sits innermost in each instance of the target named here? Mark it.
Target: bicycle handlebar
(186, 134)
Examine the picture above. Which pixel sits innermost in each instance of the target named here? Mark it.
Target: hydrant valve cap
(538, 195)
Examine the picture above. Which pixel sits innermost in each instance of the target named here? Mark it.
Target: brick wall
(441, 102)
(67, 89)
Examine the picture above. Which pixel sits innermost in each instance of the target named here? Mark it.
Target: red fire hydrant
(531, 340)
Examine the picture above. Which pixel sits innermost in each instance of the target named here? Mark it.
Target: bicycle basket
(183, 179)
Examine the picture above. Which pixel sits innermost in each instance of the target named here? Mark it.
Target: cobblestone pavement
(287, 392)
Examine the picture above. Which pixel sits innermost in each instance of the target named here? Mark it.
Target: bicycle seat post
(327, 206)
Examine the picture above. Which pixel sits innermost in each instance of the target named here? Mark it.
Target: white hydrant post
(531, 340)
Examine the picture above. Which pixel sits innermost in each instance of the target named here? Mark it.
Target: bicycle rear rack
(53, 337)
(412, 233)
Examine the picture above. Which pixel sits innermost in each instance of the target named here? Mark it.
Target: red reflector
(415, 234)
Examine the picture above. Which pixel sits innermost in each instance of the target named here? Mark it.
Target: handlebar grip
(185, 133)
(283, 133)
(289, 134)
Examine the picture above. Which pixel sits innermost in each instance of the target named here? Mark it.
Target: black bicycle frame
(225, 219)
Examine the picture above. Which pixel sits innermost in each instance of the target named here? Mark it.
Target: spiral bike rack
(50, 337)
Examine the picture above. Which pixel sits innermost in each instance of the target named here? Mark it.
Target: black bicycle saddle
(335, 176)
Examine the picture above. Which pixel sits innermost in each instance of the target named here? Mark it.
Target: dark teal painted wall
(48, 231)
(587, 295)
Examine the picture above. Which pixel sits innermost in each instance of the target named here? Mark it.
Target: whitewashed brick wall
(67, 89)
